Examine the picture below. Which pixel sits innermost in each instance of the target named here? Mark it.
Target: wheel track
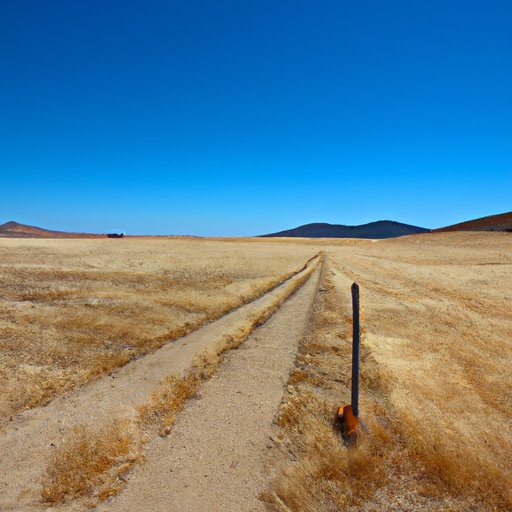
(28, 441)
(216, 458)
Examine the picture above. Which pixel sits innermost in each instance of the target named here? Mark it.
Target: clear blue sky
(241, 118)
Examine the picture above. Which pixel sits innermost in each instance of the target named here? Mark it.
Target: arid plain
(436, 391)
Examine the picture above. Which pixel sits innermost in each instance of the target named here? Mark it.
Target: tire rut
(28, 441)
(215, 458)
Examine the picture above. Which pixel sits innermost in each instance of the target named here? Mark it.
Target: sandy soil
(29, 439)
(215, 457)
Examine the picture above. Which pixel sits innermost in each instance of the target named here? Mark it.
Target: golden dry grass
(435, 384)
(436, 390)
(91, 462)
(73, 310)
(321, 474)
(439, 324)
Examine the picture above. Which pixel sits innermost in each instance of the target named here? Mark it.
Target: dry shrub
(453, 470)
(323, 474)
(45, 296)
(297, 376)
(91, 460)
(168, 401)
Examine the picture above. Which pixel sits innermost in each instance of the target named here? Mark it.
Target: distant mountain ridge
(373, 230)
(376, 230)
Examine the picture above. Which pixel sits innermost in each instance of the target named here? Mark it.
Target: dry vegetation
(436, 381)
(73, 310)
(436, 389)
(321, 473)
(92, 462)
(168, 401)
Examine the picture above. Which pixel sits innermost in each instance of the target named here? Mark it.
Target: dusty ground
(215, 457)
(436, 378)
(73, 310)
(42, 449)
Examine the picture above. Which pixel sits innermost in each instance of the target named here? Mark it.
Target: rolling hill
(13, 229)
(373, 230)
(379, 229)
(500, 222)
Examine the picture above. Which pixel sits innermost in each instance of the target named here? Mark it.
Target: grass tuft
(91, 460)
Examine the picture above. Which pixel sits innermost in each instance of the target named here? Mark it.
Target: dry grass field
(436, 376)
(436, 381)
(73, 310)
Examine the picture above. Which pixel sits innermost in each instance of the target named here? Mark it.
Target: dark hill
(379, 229)
(500, 222)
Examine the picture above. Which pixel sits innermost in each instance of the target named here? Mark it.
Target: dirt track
(30, 438)
(437, 336)
(214, 458)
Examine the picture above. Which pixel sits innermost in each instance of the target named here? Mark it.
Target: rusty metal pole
(355, 350)
(347, 419)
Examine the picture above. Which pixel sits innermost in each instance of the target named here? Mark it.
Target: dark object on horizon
(379, 229)
(115, 235)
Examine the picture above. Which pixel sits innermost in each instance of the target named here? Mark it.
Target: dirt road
(28, 442)
(214, 459)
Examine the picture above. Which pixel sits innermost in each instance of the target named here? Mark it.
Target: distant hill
(373, 230)
(379, 229)
(500, 222)
(13, 229)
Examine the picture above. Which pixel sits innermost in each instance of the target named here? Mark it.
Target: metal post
(355, 350)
